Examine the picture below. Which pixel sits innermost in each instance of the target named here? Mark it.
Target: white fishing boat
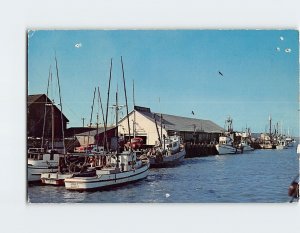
(245, 146)
(246, 141)
(170, 154)
(44, 160)
(281, 144)
(76, 163)
(290, 141)
(39, 162)
(225, 146)
(124, 168)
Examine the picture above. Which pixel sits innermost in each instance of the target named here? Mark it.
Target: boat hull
(34, 173)
(225, 149)
(167, 161)
(55, 178)
(102, 181)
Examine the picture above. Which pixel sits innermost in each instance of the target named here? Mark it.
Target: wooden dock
(200, 150)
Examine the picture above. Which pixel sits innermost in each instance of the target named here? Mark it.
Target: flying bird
(278, 49)
(193, 113)
(78, 45)
(281, 38)
(288, 50)
(220, 73)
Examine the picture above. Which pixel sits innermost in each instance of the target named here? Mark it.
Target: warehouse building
(150, 126)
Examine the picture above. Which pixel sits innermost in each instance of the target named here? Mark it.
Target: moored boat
(39, 162)
(172, 155)
(123, 168)
(225, 146)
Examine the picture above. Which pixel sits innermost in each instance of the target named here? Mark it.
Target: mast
(107, 99)
(52, 124)
(45, 111)
(126, 103)
(270, 126)
(117, 133)
(157, 129)
(134, 117)
(104, 138)
(61, 110)
(91, 118)
(161, 129)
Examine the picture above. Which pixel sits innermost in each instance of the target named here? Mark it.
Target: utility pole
(82, 121)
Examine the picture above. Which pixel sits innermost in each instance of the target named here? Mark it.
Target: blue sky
(179, 67)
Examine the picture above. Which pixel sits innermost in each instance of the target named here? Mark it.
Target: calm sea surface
(259, 176)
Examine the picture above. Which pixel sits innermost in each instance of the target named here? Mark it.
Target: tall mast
(270, 127)
(134, 117)
(52, 124)
(45, 111)
(161, 128)
(117, 116)
(104, 138)
(91, 118)
(126, 102)
(60, 103)
(108, 99)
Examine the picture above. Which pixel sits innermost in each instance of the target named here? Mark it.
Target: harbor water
(261, 176)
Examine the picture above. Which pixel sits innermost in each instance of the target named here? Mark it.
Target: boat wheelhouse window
(51, 156)
(40, 157)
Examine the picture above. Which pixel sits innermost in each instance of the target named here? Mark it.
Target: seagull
(78, 45)
(167, 195)
(220, 73)
(193, 113)
(281, 38)
(278, 49)
(288, 50)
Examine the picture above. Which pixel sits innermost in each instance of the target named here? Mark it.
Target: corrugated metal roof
(93, 131)
(178, 123)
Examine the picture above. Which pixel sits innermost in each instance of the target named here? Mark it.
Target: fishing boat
(92, 157)
(226, 141)
(225, 146)
(281, 144)
(171, 153)
(77, 164)
(246, 141)
(122, 167)
(41, 160)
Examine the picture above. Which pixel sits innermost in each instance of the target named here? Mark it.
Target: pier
(200, 150)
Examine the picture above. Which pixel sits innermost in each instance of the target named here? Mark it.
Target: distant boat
(172, 155)
(225, 146)
(245, 141)
(246, 146)
(281, 144)
(290, 141)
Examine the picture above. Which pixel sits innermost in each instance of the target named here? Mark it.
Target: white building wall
(144, 127)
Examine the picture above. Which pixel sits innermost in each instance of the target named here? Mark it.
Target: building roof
(38, 99)
(182, 124)
(93, 131)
